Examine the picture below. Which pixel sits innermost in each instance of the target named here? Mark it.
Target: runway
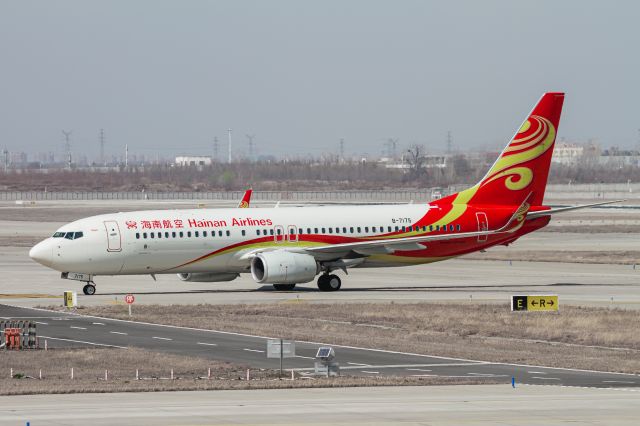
(64, 330)
(411, 406)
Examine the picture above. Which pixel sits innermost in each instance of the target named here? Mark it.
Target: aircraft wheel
(284, 287)
(329, 283)
(334, 282)
(89, 289)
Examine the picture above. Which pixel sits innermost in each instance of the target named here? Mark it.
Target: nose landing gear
(89, 289)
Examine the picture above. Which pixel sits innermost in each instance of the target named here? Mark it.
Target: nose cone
(42, 253)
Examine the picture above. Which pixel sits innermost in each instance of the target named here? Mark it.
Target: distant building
(568, 154)
(192, 161)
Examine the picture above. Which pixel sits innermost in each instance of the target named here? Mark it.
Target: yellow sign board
(534, 303)
(70, 299)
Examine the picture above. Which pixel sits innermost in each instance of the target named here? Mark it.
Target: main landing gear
(89, 289)
(329, 282)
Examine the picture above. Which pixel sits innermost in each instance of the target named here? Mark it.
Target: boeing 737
(289, 246)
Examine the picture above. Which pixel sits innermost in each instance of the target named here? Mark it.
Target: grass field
(50, 372)
(576, 337)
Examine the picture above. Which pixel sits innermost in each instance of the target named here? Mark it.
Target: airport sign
(534, 303)
(129, 299)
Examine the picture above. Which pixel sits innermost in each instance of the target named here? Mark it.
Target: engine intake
(207, 277)
(283, 267)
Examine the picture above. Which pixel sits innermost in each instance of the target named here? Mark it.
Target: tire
(334, 282)
(284, 287)
(323, 284)
(89, 289)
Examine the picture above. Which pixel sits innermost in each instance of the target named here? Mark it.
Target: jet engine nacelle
(207, 277)
(283, 267)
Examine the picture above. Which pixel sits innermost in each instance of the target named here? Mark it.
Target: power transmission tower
(102, 160)
(449, 142)
(229, 159)
(67, 146)
(6, 159)
(250, 137)
(215, 149)
(341, 149)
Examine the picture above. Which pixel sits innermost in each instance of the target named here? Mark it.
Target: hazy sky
(168, 76)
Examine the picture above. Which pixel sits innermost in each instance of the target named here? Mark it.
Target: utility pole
(229, 130)
(126, 155)
(449, 142)
(250, 137)
(102, 160)
(215, 149)
(67, 146)
(6, 159)
(341, 159)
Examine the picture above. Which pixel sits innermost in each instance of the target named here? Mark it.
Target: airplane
(289, 246)
(246, 199)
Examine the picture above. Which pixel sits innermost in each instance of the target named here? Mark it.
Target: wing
(541, 213)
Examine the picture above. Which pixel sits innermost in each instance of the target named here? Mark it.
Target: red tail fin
(523, 166)
(246, 199)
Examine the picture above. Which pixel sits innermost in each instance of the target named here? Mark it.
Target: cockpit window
(68, 235)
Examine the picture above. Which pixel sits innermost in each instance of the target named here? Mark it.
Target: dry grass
(620, 257)
(154, 369)
(475, 331)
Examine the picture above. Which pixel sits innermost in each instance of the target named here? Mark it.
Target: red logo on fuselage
(131, 224)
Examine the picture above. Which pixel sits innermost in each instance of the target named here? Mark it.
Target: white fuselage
(208, 240)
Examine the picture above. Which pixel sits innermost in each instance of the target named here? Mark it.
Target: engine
(283, 267)
(208, 277)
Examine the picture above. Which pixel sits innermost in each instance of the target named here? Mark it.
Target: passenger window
(437, 227)
(337, 230)
(351, 230)
(181, 234)
(243, 233)
(228, 233)
(270, 231)
(204, 234)
(137, 235)
(196, 233)
(404, 229)
(278, 231)
(152, 235)
(219, 233)
(159, 234)
(457, 227)
(396, 229)
(166, 235)
(359, 229)
(450, 227)
(388, 229)
(431, 228)
(173, 234)
(257, 232)
(315, 230)
(308, 230)
(300, 231)
(373, 229)
(331, 230)
(366, 229)
(292, 231)
(424, 228)
(144, 235)
(189, 234)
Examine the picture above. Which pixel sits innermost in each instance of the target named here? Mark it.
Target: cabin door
(483, 226)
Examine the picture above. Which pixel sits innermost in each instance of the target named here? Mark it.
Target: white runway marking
(97, 323)
(371, 372)
(207, 344)
(536, 372)
(161, 338)
(305, 357)
(82, 341)
(546, 378)
(417, 369)
(358, 364)
(118, 332)
(43, 323)
(618, 381)
(253, 350)
(78, 328)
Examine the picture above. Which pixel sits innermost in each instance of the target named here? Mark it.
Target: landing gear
(89, 289)
(329, 282)
(284, 287)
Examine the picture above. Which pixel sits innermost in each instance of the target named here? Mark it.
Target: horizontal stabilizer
(534, 215)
